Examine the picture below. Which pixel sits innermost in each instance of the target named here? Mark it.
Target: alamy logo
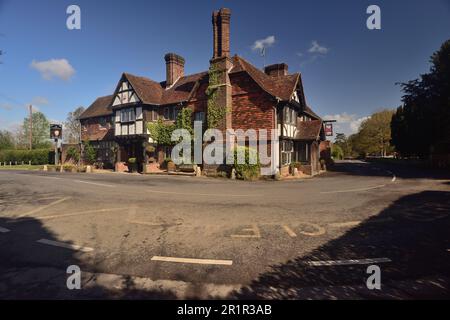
(374, 20)
(74, 280)
(374, 280)
(237, 147)
(73, 21)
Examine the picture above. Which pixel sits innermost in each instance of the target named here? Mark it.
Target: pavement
(175, 237)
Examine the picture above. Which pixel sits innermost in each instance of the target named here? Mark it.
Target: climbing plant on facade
(215, 113)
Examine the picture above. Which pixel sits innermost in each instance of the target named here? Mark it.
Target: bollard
(88, 169)
(29, 162)
(45, 168)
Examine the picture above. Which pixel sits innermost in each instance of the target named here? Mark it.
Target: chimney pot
(276, 70)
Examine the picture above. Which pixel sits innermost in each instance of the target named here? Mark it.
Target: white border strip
(65, 245)
(194, 261)
(4, 230)
(347, 262)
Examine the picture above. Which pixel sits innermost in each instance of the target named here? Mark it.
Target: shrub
(246, 170)
(36, 156)
(90, 154)
(132, 165)
(73, 154)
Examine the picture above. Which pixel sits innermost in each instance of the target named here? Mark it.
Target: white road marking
(95, 184)
(78, 213)
(44, 207)
(65, 245)
(254, 230)
(4, 230)
(200, 194)
(194, 261)
(289, 231)
(355, 190)
(320, 230)
(347, 262)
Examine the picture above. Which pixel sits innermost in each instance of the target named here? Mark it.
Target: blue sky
(348, 71)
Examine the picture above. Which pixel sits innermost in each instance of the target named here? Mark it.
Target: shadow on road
(31, 270)
(381, 169)
(413, 232)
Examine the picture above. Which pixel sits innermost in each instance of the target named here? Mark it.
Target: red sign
(328, 129)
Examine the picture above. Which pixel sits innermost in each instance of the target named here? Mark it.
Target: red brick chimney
(174, 68)
(221, 33)
(276, 70)
(220, 64)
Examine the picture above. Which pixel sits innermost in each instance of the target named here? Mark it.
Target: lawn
(21, 167)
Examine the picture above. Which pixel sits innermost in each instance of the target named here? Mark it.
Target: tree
(6, 140)
(420, 125)
(72, 126)
(40, 132)
(342, 141)
(374, 135)
(90, 155)
(337, 152)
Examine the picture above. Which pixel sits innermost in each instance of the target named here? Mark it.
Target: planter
(187, 167)
(171, 167)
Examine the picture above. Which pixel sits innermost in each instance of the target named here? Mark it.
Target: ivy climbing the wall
(215, 113)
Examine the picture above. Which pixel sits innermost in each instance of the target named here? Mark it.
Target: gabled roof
(157, 93)
(149, 91)
(281, 87)
(100, 107)
(309, 130)
(182, 89)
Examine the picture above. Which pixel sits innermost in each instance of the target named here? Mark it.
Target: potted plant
(170, 165)
(132, 165)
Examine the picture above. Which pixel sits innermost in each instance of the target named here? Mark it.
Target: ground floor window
(302, 152)
(287, 148)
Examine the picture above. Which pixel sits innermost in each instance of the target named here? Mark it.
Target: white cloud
(346, 123)
(263, 43)
(6, 106)
(317, 48)
(39, 101)
(59, 68)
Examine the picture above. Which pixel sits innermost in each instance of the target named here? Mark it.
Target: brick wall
(92, 130)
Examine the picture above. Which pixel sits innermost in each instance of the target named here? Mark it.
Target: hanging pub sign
(55, 131)
(328, 129)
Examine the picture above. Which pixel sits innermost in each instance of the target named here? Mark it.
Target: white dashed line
(4, 230)
(194, 261)
(42, 208)
(347, 262)
(94, 183)
(65, 245)
(355, 190)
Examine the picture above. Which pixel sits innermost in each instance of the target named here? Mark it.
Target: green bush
(90, 154)
(73, 154)
(36, 156)
(337, 152)
(246, 171)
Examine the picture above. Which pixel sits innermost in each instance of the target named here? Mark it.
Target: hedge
(37, 156)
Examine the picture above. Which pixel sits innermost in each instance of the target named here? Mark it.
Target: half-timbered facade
(254, 99)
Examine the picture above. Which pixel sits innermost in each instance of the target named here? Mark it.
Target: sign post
(56, 134)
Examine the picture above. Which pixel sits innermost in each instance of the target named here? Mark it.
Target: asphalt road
(166, 237)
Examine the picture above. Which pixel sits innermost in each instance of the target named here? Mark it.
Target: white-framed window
(199, 116)
(290, 116)
(127, 115)
(287, 148)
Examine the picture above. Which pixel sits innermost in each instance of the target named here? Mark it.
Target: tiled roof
(156, 93)
(309, 130)
(100, 107)
(282, 87)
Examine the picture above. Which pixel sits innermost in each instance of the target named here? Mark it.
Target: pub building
(116, 124)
